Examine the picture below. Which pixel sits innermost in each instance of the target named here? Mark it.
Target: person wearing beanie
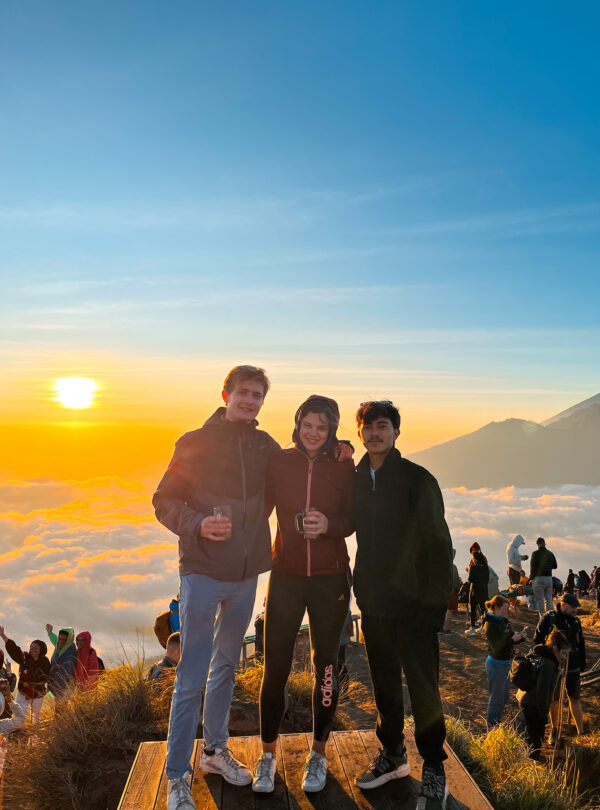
(86, 663)
(62, 663)
(34, 668)
(313, 494)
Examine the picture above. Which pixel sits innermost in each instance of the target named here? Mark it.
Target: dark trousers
(395, 646)
(476, 603)
(326, 599)
(514, 577)
(532, 725)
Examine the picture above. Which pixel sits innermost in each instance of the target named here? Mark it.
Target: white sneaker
(264, 774)
(471, 632)
(180, 797)
(315, 772)
(223, 762)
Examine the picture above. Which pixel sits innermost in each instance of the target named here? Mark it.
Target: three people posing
(403, 581)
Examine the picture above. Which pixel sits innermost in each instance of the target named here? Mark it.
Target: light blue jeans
(497, 675)
(542, 593)
(214, 617)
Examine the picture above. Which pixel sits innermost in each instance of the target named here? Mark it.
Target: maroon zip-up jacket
(294, 481)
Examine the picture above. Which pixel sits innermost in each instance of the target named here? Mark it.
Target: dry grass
(499, 763)
(80, 759)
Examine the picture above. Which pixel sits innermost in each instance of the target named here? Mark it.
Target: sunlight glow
(75, 392)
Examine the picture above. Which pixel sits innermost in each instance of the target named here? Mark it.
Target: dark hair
(314, 406)
(240, 373)
(479, 557)
(378, 409)
(540, 541)
(174, 640)
(558, 639)
(496, 602)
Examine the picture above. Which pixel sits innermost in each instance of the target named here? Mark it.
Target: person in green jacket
(501, 639)
(62, 663)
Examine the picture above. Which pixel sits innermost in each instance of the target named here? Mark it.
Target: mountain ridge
(565, 449)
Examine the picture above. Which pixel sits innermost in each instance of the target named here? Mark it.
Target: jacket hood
(545, 652)
(87, 637)
(70, 638)
(218, 418)
(332, 405)
(518, 540)
(43, 646)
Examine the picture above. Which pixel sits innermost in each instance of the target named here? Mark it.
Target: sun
(75, 392)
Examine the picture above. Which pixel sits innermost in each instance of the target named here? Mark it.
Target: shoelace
(229, 759)
(432, 784)
(314, 765)
(263, 767)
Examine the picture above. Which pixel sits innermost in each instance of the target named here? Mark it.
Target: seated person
(158, 672)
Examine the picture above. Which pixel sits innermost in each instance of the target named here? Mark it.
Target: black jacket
(543, 562)
(33, 675)
(540, 697)
(404, 557)
(571, 627)
(499, 633)
(222, 463)
(479, 577)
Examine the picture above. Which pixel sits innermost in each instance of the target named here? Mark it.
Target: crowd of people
(558, 637)
(73, 665)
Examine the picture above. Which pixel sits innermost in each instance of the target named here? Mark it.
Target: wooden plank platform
(348, 754)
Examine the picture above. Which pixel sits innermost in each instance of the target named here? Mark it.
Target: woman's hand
(315, 523)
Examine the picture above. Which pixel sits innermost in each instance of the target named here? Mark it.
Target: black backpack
(524, 671)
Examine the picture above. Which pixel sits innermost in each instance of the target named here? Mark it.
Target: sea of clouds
(91, 553)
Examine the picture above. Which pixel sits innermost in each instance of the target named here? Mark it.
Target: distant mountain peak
(586, 403)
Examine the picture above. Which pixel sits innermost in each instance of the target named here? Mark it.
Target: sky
(369, 200)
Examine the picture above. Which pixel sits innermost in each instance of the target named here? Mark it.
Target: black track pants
(395, 646)
(326, 598)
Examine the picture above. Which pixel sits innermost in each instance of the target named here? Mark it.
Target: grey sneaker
(222, 761)
(384, 767)
(434, 790)
(315, 772)
(264, 774)
(180, 797)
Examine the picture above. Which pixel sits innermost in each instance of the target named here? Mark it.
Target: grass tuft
(499, 763)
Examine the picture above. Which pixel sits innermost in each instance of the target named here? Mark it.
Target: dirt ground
(463, 682)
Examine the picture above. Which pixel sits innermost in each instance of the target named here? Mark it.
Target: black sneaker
(434, 790)
(384, 767)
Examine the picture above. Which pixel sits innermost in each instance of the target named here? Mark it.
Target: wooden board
(348, 755)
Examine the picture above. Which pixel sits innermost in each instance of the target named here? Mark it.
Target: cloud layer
(91, 553)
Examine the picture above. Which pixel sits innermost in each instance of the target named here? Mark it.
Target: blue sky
(392, 197)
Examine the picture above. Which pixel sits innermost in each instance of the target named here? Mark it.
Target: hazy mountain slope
(520, 453)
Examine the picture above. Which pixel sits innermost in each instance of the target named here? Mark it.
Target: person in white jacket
(515, 559)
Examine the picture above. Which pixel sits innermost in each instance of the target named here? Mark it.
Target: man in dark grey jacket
(212, 497)
(402, 582)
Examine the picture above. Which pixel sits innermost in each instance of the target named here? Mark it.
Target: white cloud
(92, 554)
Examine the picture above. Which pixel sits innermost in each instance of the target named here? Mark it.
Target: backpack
(162, 627)
(524, 671)
(101, 667)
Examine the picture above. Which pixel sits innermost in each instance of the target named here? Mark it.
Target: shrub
(499, 763)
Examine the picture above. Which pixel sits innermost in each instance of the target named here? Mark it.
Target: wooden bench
(348, 754)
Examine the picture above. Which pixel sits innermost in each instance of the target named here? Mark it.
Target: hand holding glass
(217, 527)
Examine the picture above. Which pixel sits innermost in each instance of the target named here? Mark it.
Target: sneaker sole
(313, 790)
(207, 769)
(422, 800)
(399, 773)
(262, 789)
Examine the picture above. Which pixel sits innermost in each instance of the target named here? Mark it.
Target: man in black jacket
(543, 562)
(565, 619)
(402, 582)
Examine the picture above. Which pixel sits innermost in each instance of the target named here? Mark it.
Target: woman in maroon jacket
(313, 494)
